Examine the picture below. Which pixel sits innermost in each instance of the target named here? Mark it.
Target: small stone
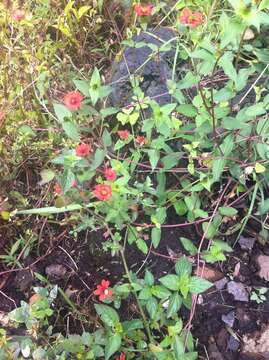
(233, 344)
(246, 243)
(220, 284)
(238, 291)
(229, 318)
(56, 270)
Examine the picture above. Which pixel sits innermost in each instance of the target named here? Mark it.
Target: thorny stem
(150, 337)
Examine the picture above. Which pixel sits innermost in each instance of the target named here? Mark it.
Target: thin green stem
(150, 337)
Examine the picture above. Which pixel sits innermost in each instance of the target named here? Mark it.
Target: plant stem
(239, 48)
(150, 337)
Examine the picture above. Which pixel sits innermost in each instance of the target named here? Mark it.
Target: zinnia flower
(121, 357)
(103, 192)
(57, 189)
(123, 134)
(72, 100)
(18, 15)
(83, 150)
(141, 140)
(143, 9)
(110, 174)
(102, 290)
(189, 18)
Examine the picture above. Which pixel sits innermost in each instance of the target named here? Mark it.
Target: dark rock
(136, 60)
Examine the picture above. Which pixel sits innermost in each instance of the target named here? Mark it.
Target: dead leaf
(209, 273)
(263, 263)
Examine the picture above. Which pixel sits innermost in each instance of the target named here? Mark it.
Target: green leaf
(112, 345)
(180, 207)
(156, 236)
(264, 207)
(108, 315)
(95, 85)
(71, 130)
(149, 278)
(171, 160)
(175, 303)
(152, 307)
(226, 62)
(160, 291)
(227, 211)
(179, 347)
(198, 285)
(187, 110)
(131, 325)
(189, 356)
(209, 229)
(106, 137)
(66, 180)
(145, 294)
(255, 110)
(99, 157)
(46, 175)
(61, 112)
(154, 156)
(218, 164)
(170, 281)
(142, 246)
(83, 86)
(189, 246)
(183, 266)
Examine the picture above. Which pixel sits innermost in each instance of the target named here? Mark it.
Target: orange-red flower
(103, 192)
(102, 290)
(83, 150)
(189, 18)
(123, 134)
(141, 140)
(121, 357)
(143, 9)
(110, 174)
(72, 100)
(18, 15)
(57, 189)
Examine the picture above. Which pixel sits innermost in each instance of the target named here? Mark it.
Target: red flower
(18, 15)
(102, 290)
(110, 174)
(143, 9)
(83, 150)
(123, 134)
(102, 192)
(72, 100)
(57, 189)
(141, 140)
(121, 357)
(191, 19)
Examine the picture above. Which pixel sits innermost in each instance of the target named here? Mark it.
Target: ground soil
(84, 264)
